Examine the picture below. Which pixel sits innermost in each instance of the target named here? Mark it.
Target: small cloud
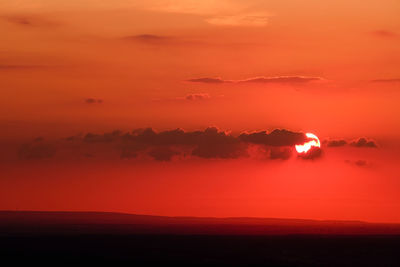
(28, 21)
(363, 142)
(153, 40)
(188, 97)
(360, 142)
(359, 163)
(207, 80)
(21, 67)
(336, 143)
(282, 79)
(201, 96)
(384, 34)
(93, 101)
(394, 80)
(148, 39)
(20, 21)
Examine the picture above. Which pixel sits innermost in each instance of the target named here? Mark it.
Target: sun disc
(314, 142)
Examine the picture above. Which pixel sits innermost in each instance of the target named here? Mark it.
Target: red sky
(68, 68)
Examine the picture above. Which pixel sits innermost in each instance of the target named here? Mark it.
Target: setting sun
(304, 148)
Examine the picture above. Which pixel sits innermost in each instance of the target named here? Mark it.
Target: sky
(194, 108)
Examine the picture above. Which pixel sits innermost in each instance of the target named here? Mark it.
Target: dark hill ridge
(91, 238)
(39, 222)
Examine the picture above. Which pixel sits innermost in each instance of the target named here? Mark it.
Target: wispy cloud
(359, 163)
(394, 80)
(194, 97)
(160, 40)
(147, 38)
(93, 100)
(262, 79)
(216, 12)
(384, 34)
(208, 80)
(21, 67)
(28, 21)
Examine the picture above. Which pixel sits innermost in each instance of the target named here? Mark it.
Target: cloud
(37, 149)
(359, 163)
(218, 144)
(282, 79)
(162, 153)
(313, 153)
(394, 80)
(28, 21)
(210, 143)
(201, 96)
(336, 143)
(153, 40)
(262, 79)
(384, 34)
(21, 67)
(101, 138)
(280, 153)
(145, 37)
(215, 12)
(20, 21)
(208, 80)
(363, 142)
(93, 101)
(278, 137)
(148, 38)
(359, 143)
(195, 97)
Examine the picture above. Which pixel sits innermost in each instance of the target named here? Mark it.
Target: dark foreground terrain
(70, 238)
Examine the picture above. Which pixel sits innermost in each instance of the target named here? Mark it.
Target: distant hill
(120, 223)
(91, 238)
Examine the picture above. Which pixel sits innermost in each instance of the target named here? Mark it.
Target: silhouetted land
(74, 238)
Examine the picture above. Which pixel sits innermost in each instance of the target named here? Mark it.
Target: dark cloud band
(164, 145)
(210, 143)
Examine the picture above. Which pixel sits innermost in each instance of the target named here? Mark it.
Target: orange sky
(138, 58)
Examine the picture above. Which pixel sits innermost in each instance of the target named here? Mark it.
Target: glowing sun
(314, 142)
